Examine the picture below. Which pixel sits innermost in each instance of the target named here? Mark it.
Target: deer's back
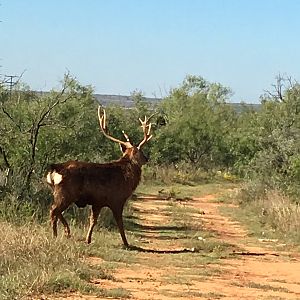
(91, 183)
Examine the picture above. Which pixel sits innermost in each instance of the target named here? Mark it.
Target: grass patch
(32, 262)
(107, 244)
(191, 294)
(195, 273)
(267, 287)
(181, 191)
(67, 281)
(269, 215)
(264, 287)
(250, 218)
(117, 293)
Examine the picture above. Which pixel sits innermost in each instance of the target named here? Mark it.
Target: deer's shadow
(141, 230)
(160, 251)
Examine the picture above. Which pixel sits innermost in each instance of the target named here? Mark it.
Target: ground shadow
(246, 253)
(159, 251)
(133, 225)
(194, 250)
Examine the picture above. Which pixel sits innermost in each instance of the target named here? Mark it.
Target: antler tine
(149, 128)
(146, 129)
(102, 119)
(126, 136)
(102, 122)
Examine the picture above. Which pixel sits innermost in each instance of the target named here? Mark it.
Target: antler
(146, 129)
(102, 122)
(145, 126)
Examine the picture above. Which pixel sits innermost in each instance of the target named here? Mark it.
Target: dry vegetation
(31, 262)
(271, 211)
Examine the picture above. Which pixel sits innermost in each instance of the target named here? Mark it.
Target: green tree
(269, 138)
(197, 123)
(38, 128)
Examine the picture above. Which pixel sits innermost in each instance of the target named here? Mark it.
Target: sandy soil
(255, 271)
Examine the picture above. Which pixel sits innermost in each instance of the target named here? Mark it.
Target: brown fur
(99, 185)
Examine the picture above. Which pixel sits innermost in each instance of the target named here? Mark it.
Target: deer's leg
(53, 219)
(119, 219)
(55, 214)
(93, 221)
(66, 226)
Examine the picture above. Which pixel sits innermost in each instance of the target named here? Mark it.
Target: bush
(183, 173)
(273, 209)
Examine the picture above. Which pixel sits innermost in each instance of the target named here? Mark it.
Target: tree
(198, 121)
(267, 143)
(29, 128)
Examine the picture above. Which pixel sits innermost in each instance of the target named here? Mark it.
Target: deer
(98, 184)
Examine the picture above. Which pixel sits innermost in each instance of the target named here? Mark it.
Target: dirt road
(169, 269)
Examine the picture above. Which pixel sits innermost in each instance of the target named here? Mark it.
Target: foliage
(41, 128)
(271, 136)
(37, 128)
(197, 136)
(197, 123)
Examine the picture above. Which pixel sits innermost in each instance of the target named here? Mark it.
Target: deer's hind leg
(119, 219)
(56, 214)
(93, 221)
(65, 224)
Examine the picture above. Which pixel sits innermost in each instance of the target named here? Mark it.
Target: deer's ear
(123, 148)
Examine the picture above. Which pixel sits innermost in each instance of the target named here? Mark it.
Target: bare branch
(11, 118)
(280, 87)
(4, 155)
(37, 125)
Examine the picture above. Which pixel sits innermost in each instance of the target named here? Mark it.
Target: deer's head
(132, 152)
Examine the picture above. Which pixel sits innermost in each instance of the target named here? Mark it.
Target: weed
(265, 287)
(32, 262)
(184, 191)
(117, 293)
(192, 294)
(270, 214)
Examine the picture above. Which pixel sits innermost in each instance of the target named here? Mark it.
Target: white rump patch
(49, 178)
(57, 178)
(54, 178)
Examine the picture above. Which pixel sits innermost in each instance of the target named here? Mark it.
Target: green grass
(177, 190)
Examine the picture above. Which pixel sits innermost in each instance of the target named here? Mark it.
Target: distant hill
(239, 107)
(127, 101)
(124, 101)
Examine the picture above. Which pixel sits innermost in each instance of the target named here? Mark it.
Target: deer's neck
(132, 173)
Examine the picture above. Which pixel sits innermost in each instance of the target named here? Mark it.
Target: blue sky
(119, 46)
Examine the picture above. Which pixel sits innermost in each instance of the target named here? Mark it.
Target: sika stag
(99, 185)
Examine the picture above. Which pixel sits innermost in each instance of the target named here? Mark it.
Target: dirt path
(252, 271)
